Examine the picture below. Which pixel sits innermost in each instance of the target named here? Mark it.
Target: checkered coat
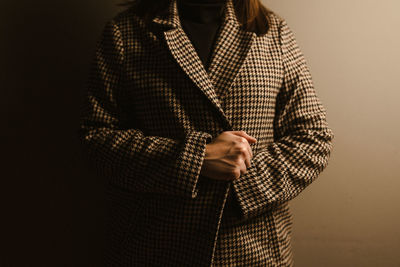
(150, 110)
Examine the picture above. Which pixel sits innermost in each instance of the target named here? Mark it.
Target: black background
(52, 206)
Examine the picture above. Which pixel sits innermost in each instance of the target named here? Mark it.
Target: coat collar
(231, 48)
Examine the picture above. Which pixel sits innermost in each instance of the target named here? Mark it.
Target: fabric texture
(151, 108)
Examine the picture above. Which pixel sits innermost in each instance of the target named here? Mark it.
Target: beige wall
(350, 216)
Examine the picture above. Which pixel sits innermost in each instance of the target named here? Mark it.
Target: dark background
(53, 207)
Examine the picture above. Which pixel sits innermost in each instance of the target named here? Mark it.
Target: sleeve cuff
(191, 161)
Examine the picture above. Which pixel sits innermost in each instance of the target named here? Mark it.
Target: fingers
(249, 138)
(243, 168)
(245, 150)
(248, 154)
(247, 162)
(242, 153)
(250, 151)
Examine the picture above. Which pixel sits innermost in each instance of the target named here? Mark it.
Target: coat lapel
(229, 53)
(186, 56)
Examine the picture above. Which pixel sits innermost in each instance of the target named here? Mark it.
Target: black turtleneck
(201, 20)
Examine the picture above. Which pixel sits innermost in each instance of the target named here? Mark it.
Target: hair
(252, 14)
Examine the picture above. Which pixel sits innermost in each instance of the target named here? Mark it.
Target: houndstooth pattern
(150, 110)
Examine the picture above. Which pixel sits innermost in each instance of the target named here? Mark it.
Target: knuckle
(237, 161)
(243, 149)
(238, 175)
(239, 142)
(238, 171)
(235, 173)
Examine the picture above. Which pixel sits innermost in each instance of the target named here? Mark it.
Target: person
(203, 118)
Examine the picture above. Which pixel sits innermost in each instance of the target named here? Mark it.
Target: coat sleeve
(302, 139)
(127, 157)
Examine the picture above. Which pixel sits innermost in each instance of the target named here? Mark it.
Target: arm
(126, 156)
(302, 139)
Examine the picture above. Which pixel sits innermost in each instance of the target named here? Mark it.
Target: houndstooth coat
(150, 110)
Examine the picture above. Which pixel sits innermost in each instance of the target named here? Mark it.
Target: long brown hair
(252, 14)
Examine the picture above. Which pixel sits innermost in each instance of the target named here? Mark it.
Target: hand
(228, 156)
